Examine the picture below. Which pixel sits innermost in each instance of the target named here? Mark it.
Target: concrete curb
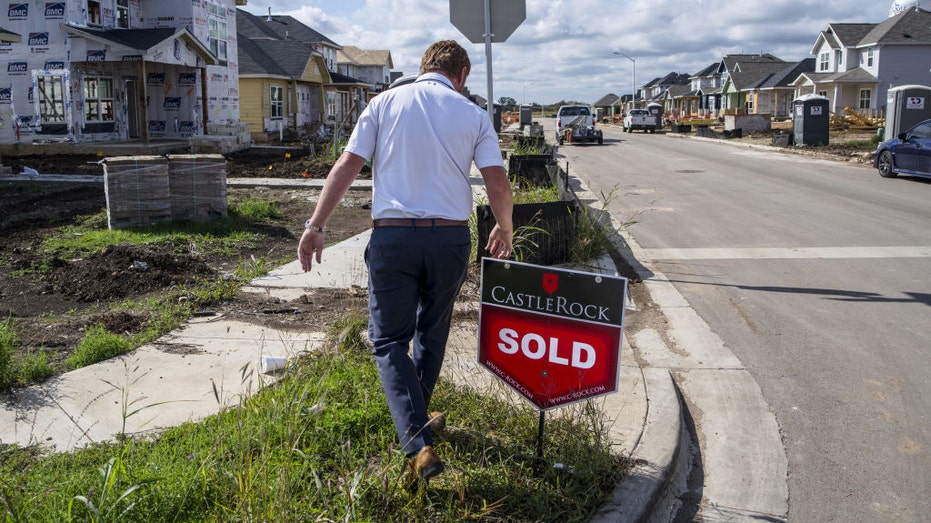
(648, 492)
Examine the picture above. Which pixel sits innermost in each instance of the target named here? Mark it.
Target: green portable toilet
(811, 120)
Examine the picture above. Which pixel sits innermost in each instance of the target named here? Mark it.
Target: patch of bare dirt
(250, 163)
(53, 300)
(843, 145)
(280, 163)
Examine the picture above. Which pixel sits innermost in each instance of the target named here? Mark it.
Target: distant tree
(507, 103)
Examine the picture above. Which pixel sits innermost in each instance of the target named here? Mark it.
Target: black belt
(418, 222)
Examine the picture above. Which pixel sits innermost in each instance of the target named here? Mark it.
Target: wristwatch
(315, 228)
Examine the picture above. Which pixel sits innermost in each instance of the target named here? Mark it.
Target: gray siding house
(857, 64)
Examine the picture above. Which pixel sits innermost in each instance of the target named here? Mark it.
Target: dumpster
(906, 107)
(811, 120)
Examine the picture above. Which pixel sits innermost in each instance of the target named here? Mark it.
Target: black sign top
(559, 292)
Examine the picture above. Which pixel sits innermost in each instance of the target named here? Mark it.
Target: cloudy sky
(565, 49)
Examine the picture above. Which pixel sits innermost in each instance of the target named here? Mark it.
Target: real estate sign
(552, 335)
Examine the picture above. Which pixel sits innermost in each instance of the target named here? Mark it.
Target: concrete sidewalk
(212, 363)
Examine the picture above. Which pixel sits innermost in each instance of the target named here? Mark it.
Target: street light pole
(633, 78)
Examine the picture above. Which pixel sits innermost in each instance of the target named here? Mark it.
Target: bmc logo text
(18, 11)
(172, 103)
(54, 9)
(187, 128)
(156, 126)
(97, 55)
(38, 38)
(17, 67)
(6, 95)
(54, 65)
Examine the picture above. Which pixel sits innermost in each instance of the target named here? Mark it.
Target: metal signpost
(552, 335)
(487, 21)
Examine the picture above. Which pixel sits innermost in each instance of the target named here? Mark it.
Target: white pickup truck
(639, 119)
(576, 123)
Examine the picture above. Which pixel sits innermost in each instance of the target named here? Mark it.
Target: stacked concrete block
(137, 191)
(197, 184)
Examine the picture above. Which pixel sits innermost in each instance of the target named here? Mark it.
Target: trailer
(575, 123)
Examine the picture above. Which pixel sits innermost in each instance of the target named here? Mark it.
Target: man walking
(422, 139)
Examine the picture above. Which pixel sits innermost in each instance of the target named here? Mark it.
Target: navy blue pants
(415, 274)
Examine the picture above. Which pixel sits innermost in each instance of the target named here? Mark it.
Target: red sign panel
(554, 336)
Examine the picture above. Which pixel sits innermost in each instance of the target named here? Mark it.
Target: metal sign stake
(540, 435)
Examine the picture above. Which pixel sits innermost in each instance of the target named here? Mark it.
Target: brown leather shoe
(426, 464)
(437, 422)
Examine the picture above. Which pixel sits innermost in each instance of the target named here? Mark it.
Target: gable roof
(845, 35)
(341, 79)
(731, 61)
(651, 83)
(360, 57)
(785, 77)
(278, 27)
(278, 58)
(143, 39)
(674, 79)
(710, 70)
(607, 100)
(858, 76)
(270, 54)
(912, 26)
(679, 90)
(750, 74)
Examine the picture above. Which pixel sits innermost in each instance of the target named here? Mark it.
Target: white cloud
(564, 50)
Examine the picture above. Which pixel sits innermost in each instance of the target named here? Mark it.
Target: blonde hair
(445, 56)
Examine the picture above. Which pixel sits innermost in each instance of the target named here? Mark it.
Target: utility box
(811, 120)
(656, 111)
(906, 107)
(526, 115)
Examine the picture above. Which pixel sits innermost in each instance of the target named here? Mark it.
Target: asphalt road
(815, 274)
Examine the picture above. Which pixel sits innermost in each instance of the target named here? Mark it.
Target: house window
(93, 12)
(840, 58)
(824, 61)
(823, 93)
(869, 57)
(865, 96)
(122, 14)
(98, 99)
(331, 104)
(51, 99)
(276, 102)
(216, 24)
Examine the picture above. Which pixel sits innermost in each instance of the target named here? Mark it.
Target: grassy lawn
(319, 445)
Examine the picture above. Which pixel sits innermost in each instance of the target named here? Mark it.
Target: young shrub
(98, 344)
(8, 341)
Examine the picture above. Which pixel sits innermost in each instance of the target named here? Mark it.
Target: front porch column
(145, 104)
(203, 98)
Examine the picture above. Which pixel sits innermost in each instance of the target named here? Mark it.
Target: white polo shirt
(423, 138)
